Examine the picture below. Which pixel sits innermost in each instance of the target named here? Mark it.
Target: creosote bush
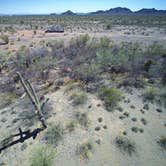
(162, 142)
(150, 93)
(7, 99)
(125, 144)
(85, 150)
(5, 38)
(71, 126)
(78, 97)
(42, 156)
(111, 97)
(82, 119)
(54, 134)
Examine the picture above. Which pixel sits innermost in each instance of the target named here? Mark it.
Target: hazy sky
(57, 6)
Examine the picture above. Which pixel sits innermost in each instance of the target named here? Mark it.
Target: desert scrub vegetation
(73, 85)
(82, 119)
(111, 97)
(150, 93)
(5, 139)
(78, 97)
(42, 156)
(125, 144)
(162, 142)
(71, 126)
(7, 98)
(85, 150)
(5, 38)
(54, 134)
(4, 59)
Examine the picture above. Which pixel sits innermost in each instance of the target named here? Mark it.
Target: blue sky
(57, 6)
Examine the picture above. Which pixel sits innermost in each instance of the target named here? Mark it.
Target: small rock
(105, 127)
(100, 119)
(124, 133)
(132, 106)
(97, 128)
(98, 141)
(146, 107)
(159, 110)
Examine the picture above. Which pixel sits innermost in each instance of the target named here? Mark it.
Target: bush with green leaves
(150, 93)
(71, 126)
(4, 59)
(42, 156)
(7, 99)
(85, 150)
(87, 72)
(54, 134)
(5, 38)
(82, 119)
(80, 41)
(156, 49)
(111, 97)
(78, 97)
(125, 144)
(162, 142)
(104, 42)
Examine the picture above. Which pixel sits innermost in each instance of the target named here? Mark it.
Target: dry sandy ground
(148, 152)
(142, 35)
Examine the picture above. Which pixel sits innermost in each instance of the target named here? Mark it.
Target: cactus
(34, 99)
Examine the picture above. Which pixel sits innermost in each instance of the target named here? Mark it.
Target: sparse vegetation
(82, 119)
(162, 142)
(111, 97)
(42, 156)
(54, 134)
(150, 93)
(71, 126)
(5, 38)
(78, 97)
(85, 150)
(125, 144)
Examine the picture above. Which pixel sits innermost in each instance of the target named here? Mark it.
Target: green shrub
(104, 42)
(7, 99)
(125, 144)
(54, 134)
(4, 59)
(55, 43)
(162, 142)
(156, 49)
(150, 93)
(111, 97)
(109, 26)
(85, 150)
(78, 97)
(42, 156)
(82, 119)
(5, 38)
(71, 126)
(5, 139)
(80, 40)
(87, 72)
(44, 63)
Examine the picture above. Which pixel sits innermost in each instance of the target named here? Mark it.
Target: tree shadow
(23, 136)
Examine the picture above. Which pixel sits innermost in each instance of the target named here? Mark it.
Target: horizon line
(76, 12)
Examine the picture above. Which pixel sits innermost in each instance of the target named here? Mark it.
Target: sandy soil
(106, 153)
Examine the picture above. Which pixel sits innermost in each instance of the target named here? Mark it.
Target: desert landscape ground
(105, 81)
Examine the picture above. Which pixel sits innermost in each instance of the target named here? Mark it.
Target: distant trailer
(55, 29)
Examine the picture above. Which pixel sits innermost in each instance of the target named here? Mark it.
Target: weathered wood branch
(34, 99)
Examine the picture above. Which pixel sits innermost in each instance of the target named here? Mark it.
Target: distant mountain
(126, 11)
(152, 11)
(68, 13)
(114, 11)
